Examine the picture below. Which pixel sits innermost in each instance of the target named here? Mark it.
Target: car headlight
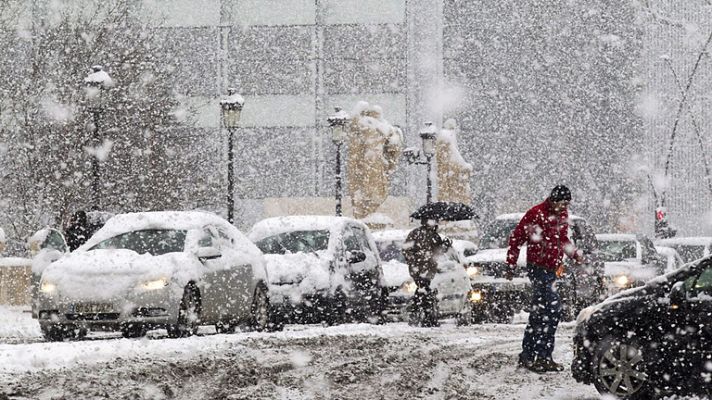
(473, 271)
(48, 287)
(155, 284)
(622, 281)
(409, 287)
(474, 296)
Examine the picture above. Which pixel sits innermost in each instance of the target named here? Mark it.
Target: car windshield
(690, 252)
(295, 242)
(151, 241)
(617, 250)
(390, 250)
(496, 235)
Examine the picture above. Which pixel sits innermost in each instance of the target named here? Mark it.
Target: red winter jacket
(546, 235)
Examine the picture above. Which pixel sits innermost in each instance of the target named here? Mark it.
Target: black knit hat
(559, 193)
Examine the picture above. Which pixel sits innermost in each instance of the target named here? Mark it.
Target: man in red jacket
(544, 228)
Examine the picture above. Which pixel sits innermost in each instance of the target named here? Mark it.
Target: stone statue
(374, 146)
(452, 170)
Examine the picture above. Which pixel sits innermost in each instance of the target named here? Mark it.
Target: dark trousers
(543, 317)
(424, 299)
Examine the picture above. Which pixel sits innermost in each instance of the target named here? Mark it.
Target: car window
(151, 241)
(295, 242)
(469, 252)
(703, 284)
(362, 238)
(207, 239)
(584, 236)
(351, 242)
(617, 250)
(55, 241)
(496, 234)
(690, 252)
(390, 250)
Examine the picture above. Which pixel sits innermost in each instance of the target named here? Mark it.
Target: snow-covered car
(497, 299)
(321, 268)
(169, 269)
(674, 261)
(629, 260)
(689, 248)
(652, 341)
(451, 281)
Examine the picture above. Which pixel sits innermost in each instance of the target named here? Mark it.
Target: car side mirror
(356, 257)
(677, 295)
(207, 253)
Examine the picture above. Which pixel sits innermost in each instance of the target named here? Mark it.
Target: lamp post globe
(231, 109)
(94, 86)
(428, 135)
(337, 123)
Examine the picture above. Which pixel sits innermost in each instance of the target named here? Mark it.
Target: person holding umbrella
(422, 247)
(545, 229)
(420, 250)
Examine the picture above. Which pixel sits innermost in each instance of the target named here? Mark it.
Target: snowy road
(355, 361)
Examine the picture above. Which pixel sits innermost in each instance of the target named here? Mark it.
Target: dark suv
(496, 299)
(650, 340)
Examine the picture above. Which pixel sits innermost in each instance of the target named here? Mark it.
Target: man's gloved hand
(509, 273)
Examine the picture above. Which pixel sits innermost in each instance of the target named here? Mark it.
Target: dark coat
(420, 249)
(77, 231)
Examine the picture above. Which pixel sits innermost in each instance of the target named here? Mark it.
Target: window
(390, 250)
(55, 241)
(617, 250)
(153, 241)
(351, 242)
(704, 282)
(295, 242)
(497, 233)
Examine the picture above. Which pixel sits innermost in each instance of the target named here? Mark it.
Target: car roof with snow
(689, 240)
(622, 237)
(390, 235)
(179, 220)
(459, 244)
(520, 215)
(276, 225)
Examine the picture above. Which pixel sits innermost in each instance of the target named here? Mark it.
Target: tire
(336, 312)
(188, 314)
(56, 333)
(464, 318)
(133, 330)
(224, 327)
(619, 369)
(262, 315)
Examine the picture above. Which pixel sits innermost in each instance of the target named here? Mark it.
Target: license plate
(90, 308)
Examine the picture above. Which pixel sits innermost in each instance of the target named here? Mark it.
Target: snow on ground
(353, 361)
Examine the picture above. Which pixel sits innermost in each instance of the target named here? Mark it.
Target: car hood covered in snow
(107, 274)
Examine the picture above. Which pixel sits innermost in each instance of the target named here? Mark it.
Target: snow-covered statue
(374, 146)
(453, 171)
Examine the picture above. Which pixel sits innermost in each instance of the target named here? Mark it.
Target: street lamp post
(95, 84)
(427, 135)
(231, 107)
(337, 123)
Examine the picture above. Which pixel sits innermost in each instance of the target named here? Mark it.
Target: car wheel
(619, 369)
(133, 330)
(259, 310)
(224, 327)
(336, 311)
(56, 333)
(188, 314)
(464, 318)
